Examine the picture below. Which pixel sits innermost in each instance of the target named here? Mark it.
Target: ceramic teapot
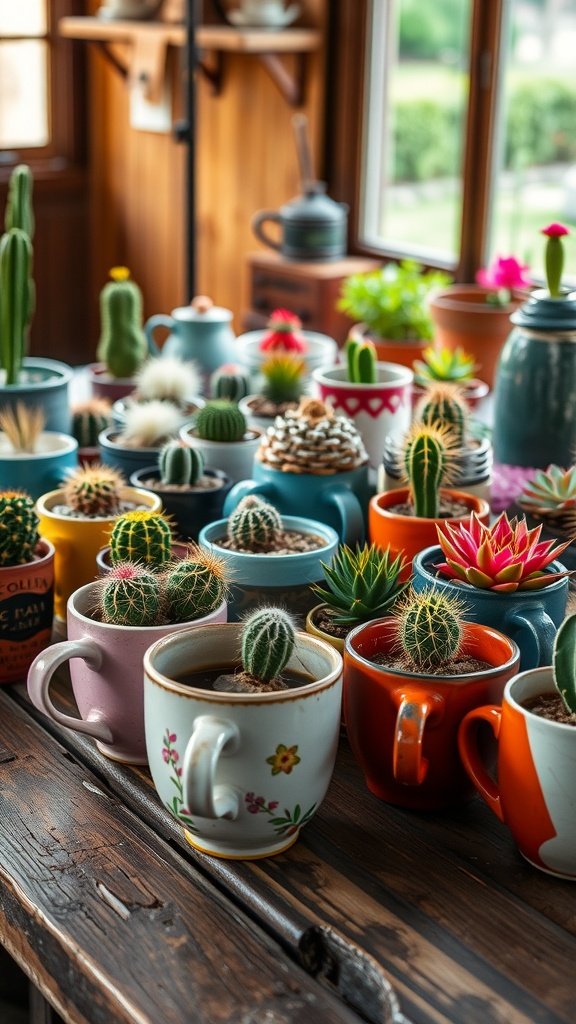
(199, 332)
(313, 226)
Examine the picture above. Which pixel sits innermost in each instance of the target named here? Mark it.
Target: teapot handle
(159, 320)
(258, 220)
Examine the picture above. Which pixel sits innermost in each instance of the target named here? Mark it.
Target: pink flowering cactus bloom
(504, 557)
(555, 230)
(504, 272)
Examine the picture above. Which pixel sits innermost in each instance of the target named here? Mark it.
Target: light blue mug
(339, 500)
(529, 617)
(40, 471)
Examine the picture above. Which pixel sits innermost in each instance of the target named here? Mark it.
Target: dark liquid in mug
(204, 678)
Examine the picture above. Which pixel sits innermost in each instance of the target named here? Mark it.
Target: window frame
(349, 49)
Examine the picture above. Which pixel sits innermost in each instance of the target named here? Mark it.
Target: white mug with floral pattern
(243, 772)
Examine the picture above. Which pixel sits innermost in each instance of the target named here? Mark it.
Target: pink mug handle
(415, 706)
(470, 754)
(40, 676)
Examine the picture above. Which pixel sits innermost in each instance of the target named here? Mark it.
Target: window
(466, 143)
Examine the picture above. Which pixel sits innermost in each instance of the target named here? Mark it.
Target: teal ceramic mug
(340, 500)
(529, 617)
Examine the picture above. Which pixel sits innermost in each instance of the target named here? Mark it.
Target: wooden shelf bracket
(290, 84)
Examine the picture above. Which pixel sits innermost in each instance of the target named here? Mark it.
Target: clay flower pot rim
(363, 331)
(388, 374)
(470, 629)
(434, 553)
(400, 495)
(62, 444)
(547, 687)
(329, 679)
(467, 298)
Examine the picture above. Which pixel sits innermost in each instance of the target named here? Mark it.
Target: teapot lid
(314, 205)
(202, 310)
(543, 312)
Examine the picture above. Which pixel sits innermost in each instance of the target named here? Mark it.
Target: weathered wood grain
(112, 925)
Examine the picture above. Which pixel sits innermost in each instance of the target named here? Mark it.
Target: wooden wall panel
(246, 161)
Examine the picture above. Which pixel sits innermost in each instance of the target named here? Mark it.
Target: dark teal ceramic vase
(535, 393)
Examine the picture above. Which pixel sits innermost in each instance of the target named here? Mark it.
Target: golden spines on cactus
(94, 491)
(428, 456)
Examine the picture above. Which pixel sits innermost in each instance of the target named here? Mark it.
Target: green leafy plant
(444, 364)
(392, 301)
(18, 528)
(564, 662)
(361, 361)
(16, 300)
(363, 584)
(429, 630)
(283, 374)
(427, 457)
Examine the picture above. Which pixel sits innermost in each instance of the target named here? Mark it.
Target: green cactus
(361, 360)
(94, 491)
(430, 629)
(19, 213)
(16, 300)
(229, 383)
(131, 596)
(220, 421)
(564, 662)
(363, 584)
(88, 420)
(18, 528)
(268, 637)
(283, 374)
(426, 458)
(445, 405)
(195, 586)
(122, 346)
(180, 464)
(254, 524)
(141, 536)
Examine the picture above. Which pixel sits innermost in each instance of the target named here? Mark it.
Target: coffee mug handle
(158, 320)
(537, 632)
(241, 489)
(258, 222)
(470, 755)
(415, 707)
(40, 676)
(211, 739)
(352, 530)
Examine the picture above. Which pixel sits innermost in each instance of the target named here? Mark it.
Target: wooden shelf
(150, 39)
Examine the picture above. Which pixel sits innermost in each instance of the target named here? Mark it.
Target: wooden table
(375, 914)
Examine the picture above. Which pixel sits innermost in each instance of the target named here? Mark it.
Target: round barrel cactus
(180, 464)
(254, 524)
(195, 586)
(141, 536)
(131, 596)
(220, 421)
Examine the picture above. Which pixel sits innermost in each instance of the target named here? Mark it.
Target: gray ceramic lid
(542, 312)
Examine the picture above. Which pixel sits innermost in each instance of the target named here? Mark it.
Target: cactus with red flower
(284, 333)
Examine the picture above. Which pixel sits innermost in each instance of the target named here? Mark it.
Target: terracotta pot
(412, 534)
(403, 726)
(463, 318)
(390, 350)
(26, 609)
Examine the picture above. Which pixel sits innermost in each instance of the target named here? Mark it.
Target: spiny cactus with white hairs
(168, 379)
(149, 424)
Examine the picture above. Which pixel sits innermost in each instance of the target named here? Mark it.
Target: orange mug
(403, 728)
(535, 794)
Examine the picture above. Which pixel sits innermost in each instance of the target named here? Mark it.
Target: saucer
(280, 20)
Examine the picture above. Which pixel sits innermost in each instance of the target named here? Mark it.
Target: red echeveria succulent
(504, 557)
(284, 333)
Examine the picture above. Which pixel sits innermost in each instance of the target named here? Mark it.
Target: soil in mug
(265, 407)
(231, 679)
(325, 621)
(66, 512)
(449, 509)
(289, 542)
(552, 707)
(459, 667)
(205, 483)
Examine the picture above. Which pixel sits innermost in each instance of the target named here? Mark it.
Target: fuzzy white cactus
(150, 424)
(168, 379)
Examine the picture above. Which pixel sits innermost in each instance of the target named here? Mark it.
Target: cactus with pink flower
(504, 557)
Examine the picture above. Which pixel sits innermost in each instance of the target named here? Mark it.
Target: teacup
(106, 673)
(243, 772)
(534, 794)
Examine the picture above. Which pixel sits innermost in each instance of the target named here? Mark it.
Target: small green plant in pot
(549, 499)
(141, 536)
(136, 444)
(89, 419)
(122, 348)
(361, 585)
(168, 379)
(282, 385)
(26, 586)
(221, 433)
(230, 383)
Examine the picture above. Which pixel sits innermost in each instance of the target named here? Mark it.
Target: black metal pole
(186, 132)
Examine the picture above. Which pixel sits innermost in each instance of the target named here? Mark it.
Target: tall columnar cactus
(220, 421)
(564, 662)
(229, 383)
(88, 420)
(254, 525)
(18, 528)
(94, 491)
(130, 595)
(268, 636)
(361, 361)
(122, 346)
(19, 213)
(430, 630)
(141, 536)
(445, 405)
(180, 465)
(195, 586)
(16, 300)
(426, 459)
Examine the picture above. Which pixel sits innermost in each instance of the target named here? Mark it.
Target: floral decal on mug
(283, 826)
(284, 760)
(171, 757)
